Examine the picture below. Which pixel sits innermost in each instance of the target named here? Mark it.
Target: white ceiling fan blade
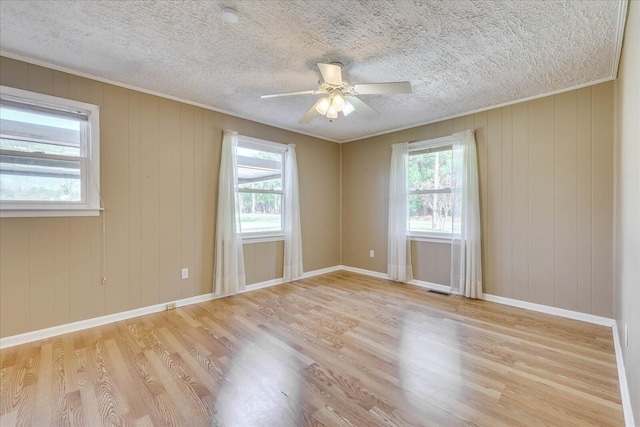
(331, 74)
(310, 114)
(303, 92)
(361, 108)
(382, 88)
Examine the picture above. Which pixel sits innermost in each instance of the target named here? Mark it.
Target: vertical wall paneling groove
(115, 193)
(340, 201)
(149, 202)
(545, 179)
(187, 202)
(480, 125)
(493, 284)
(80, 297)
(41, 272)
(170, 211)
(520, 207)
(602, 179)
(541, 189)
(566, 200)
(135, 208)
(61, 269)
(507, 203)
(198, 202)
(584, 200)
(210, 165)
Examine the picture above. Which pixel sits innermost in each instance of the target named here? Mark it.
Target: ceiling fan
(341, 96)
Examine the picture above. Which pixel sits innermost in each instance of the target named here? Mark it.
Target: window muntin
(49, 155)
(260, 170)
(430, 193)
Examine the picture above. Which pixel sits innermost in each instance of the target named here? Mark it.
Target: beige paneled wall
(159, 161)
(627, 205)
(263, 261)
(546, 175)
(431, 262)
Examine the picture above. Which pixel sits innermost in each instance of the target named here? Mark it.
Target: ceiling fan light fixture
(323, 105)
(337, 102)
(340, 95)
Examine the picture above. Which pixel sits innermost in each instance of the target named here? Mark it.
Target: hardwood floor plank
(44, 389)
(91, 410)
(339, 349)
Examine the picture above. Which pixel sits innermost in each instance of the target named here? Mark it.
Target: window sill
(247, 240)
(43, 213)
(430, 238)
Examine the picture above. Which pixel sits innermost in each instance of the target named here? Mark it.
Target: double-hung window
(49, 155)
(260, 171)
(430, 192)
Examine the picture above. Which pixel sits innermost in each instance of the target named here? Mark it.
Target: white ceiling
(459, 56)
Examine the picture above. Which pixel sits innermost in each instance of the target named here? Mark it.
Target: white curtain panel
(292, 235)
(399, 245)
(229, 269)
(466, 254)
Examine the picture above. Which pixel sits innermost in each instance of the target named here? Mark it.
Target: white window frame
(429, 236)
(272, 147)
(89, 162)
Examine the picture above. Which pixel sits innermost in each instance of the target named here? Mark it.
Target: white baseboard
(421, 283)
(262, 285)
(429, 285)
(124, 315)
(321, 271)
(363, 271)
(622, 379)
(97, 321)
(569, 314)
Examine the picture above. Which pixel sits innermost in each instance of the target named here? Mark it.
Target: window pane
(259, 169)
(260, 212)
(428, 171)
(430, 212)
(44, 180)
(39, 126)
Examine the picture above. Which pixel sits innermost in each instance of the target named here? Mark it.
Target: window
(49, 155)
(430, 195)
(260, 187)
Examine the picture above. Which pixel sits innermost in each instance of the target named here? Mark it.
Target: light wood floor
(337, 349)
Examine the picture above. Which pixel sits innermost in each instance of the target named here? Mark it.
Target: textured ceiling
(459, 56)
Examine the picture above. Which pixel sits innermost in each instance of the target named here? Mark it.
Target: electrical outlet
(371, 253)
(626, 335)
(171, 306)
(185, 273)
